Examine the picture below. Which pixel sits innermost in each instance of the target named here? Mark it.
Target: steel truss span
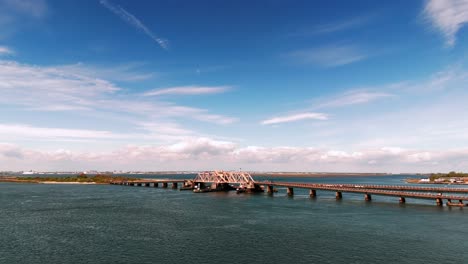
(224, 177)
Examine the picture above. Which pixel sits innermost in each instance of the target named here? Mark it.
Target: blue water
(118, 224)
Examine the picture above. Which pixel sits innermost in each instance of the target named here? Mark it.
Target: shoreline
(417, 181)
(54, 182)
(318, 175)
(48, 182)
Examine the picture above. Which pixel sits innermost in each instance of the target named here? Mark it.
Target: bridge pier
(139, 184)
(164, 184)
(338, 195)
(147, 184)
(155, 185)
(270, 189)
(402, 200)
(132, 184)
(367, 197)
(439, 202)
(290, 191)
(312, 193)
(174, 185)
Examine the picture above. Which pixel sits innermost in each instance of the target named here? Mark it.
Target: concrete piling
(312, 193)
(270, 189)
(290, 191)
(367, 197)
(338, 195)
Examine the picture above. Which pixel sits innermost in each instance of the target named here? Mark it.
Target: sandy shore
(54, 182)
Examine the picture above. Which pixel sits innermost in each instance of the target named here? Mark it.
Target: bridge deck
(374, 186)
(151, 181)
(387, 191)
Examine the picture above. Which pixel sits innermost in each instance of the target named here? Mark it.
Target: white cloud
(23, 131)
(5, 51)
(65, 88)
(329, 56)
(353, 98)
(188, 90)
(132, 20)
(342, 25)
(49, 87)
(18, 14)
(34, 8)
(294, 117)
(165, 128)
(128, 72)
(205, 153)
(447, 16)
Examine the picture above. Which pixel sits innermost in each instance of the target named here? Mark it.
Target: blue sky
(267, 85)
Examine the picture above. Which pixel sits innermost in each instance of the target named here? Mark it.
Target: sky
(271, 85)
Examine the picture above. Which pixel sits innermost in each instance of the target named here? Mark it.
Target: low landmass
(442, 178)
(79, 179)
(316, 174)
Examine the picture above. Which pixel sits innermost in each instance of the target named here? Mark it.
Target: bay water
(52, 223)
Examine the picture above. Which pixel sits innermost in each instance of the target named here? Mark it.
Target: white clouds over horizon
(202, 153)
(447, 16)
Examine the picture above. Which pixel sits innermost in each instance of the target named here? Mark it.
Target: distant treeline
(98, 178)
(451, 174)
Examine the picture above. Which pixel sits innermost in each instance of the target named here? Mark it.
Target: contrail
(132, 20)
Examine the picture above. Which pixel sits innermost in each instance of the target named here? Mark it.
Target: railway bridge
(211, 181)
(436, 193)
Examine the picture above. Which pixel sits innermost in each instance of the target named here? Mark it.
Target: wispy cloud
(33, 86)
(132, 20)
(333, 27)
(188, 90)
(65, 88)
(4, 50)
(343, 25)
(447, 16)
(294, 117)
(27, 131)
(127, 72)
(35, 8)
(329, 56)
(16, 14)
(354, 98)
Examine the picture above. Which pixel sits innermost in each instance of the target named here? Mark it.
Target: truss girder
(224, 177)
